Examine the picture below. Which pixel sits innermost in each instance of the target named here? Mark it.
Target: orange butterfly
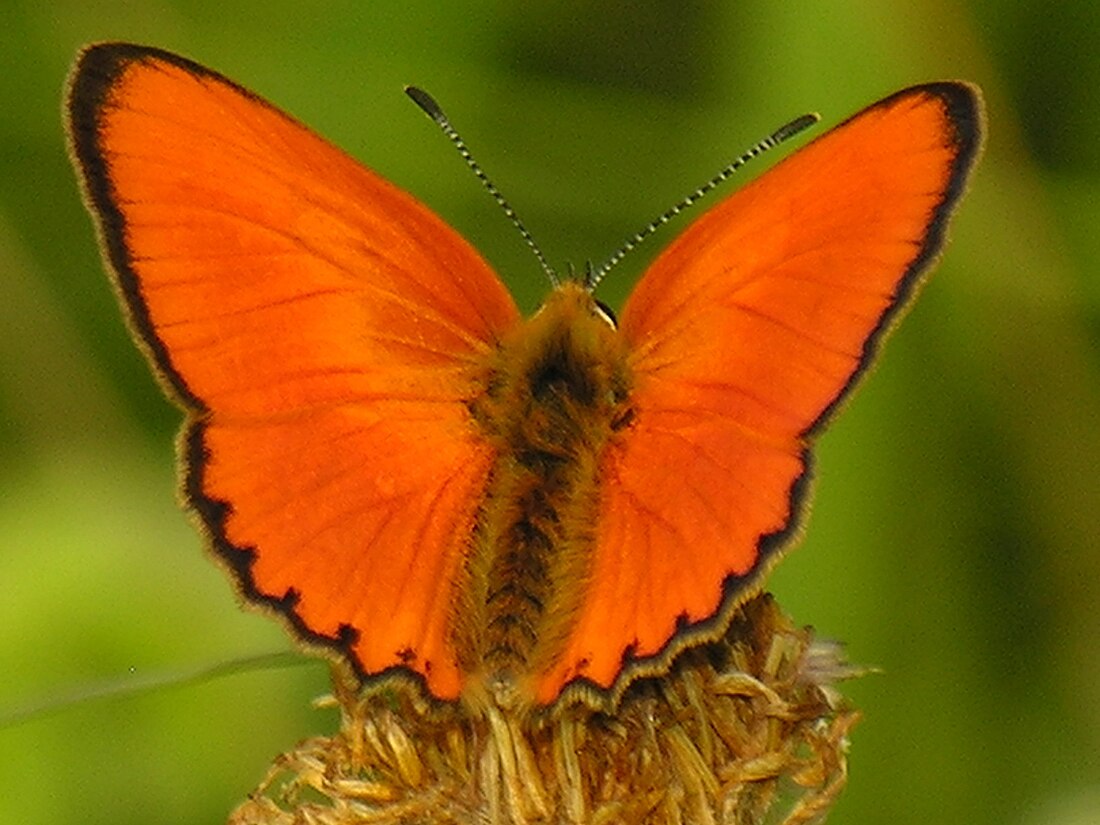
(384, 452)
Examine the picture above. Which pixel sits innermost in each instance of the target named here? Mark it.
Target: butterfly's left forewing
(325, 333)
(744, 335)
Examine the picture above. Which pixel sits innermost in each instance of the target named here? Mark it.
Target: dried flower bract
(746, 730)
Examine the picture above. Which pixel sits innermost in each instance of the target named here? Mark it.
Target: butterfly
(382, 451)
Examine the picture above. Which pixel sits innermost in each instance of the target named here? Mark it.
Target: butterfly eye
(607, 313)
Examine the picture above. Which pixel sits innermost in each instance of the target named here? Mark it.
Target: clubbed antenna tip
(433, 110)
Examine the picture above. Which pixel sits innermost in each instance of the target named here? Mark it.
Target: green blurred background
(954, 539)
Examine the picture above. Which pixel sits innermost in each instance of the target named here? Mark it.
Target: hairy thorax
(556, 395)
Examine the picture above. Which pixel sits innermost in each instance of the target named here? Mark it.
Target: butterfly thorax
(556, 393)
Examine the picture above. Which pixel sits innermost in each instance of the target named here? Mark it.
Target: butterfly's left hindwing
(744, 335)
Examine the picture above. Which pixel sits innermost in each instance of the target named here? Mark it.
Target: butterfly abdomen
(556, 394)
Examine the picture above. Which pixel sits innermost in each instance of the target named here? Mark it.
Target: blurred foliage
(953, 540)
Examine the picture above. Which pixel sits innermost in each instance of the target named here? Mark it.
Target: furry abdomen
(556, 395)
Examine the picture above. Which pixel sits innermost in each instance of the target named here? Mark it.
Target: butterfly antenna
(774, 139)
(426, 102)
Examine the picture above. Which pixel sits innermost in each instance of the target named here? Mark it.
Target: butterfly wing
(324, 332)
(746, 333)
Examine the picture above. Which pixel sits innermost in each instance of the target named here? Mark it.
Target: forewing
(745, 334)
(324, 331)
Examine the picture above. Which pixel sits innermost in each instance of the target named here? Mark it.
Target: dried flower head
(745, 730)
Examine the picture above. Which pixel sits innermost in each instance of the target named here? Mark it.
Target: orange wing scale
(324, 330)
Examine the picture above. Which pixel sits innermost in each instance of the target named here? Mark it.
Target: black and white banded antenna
(433, 110)
(594, 276)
